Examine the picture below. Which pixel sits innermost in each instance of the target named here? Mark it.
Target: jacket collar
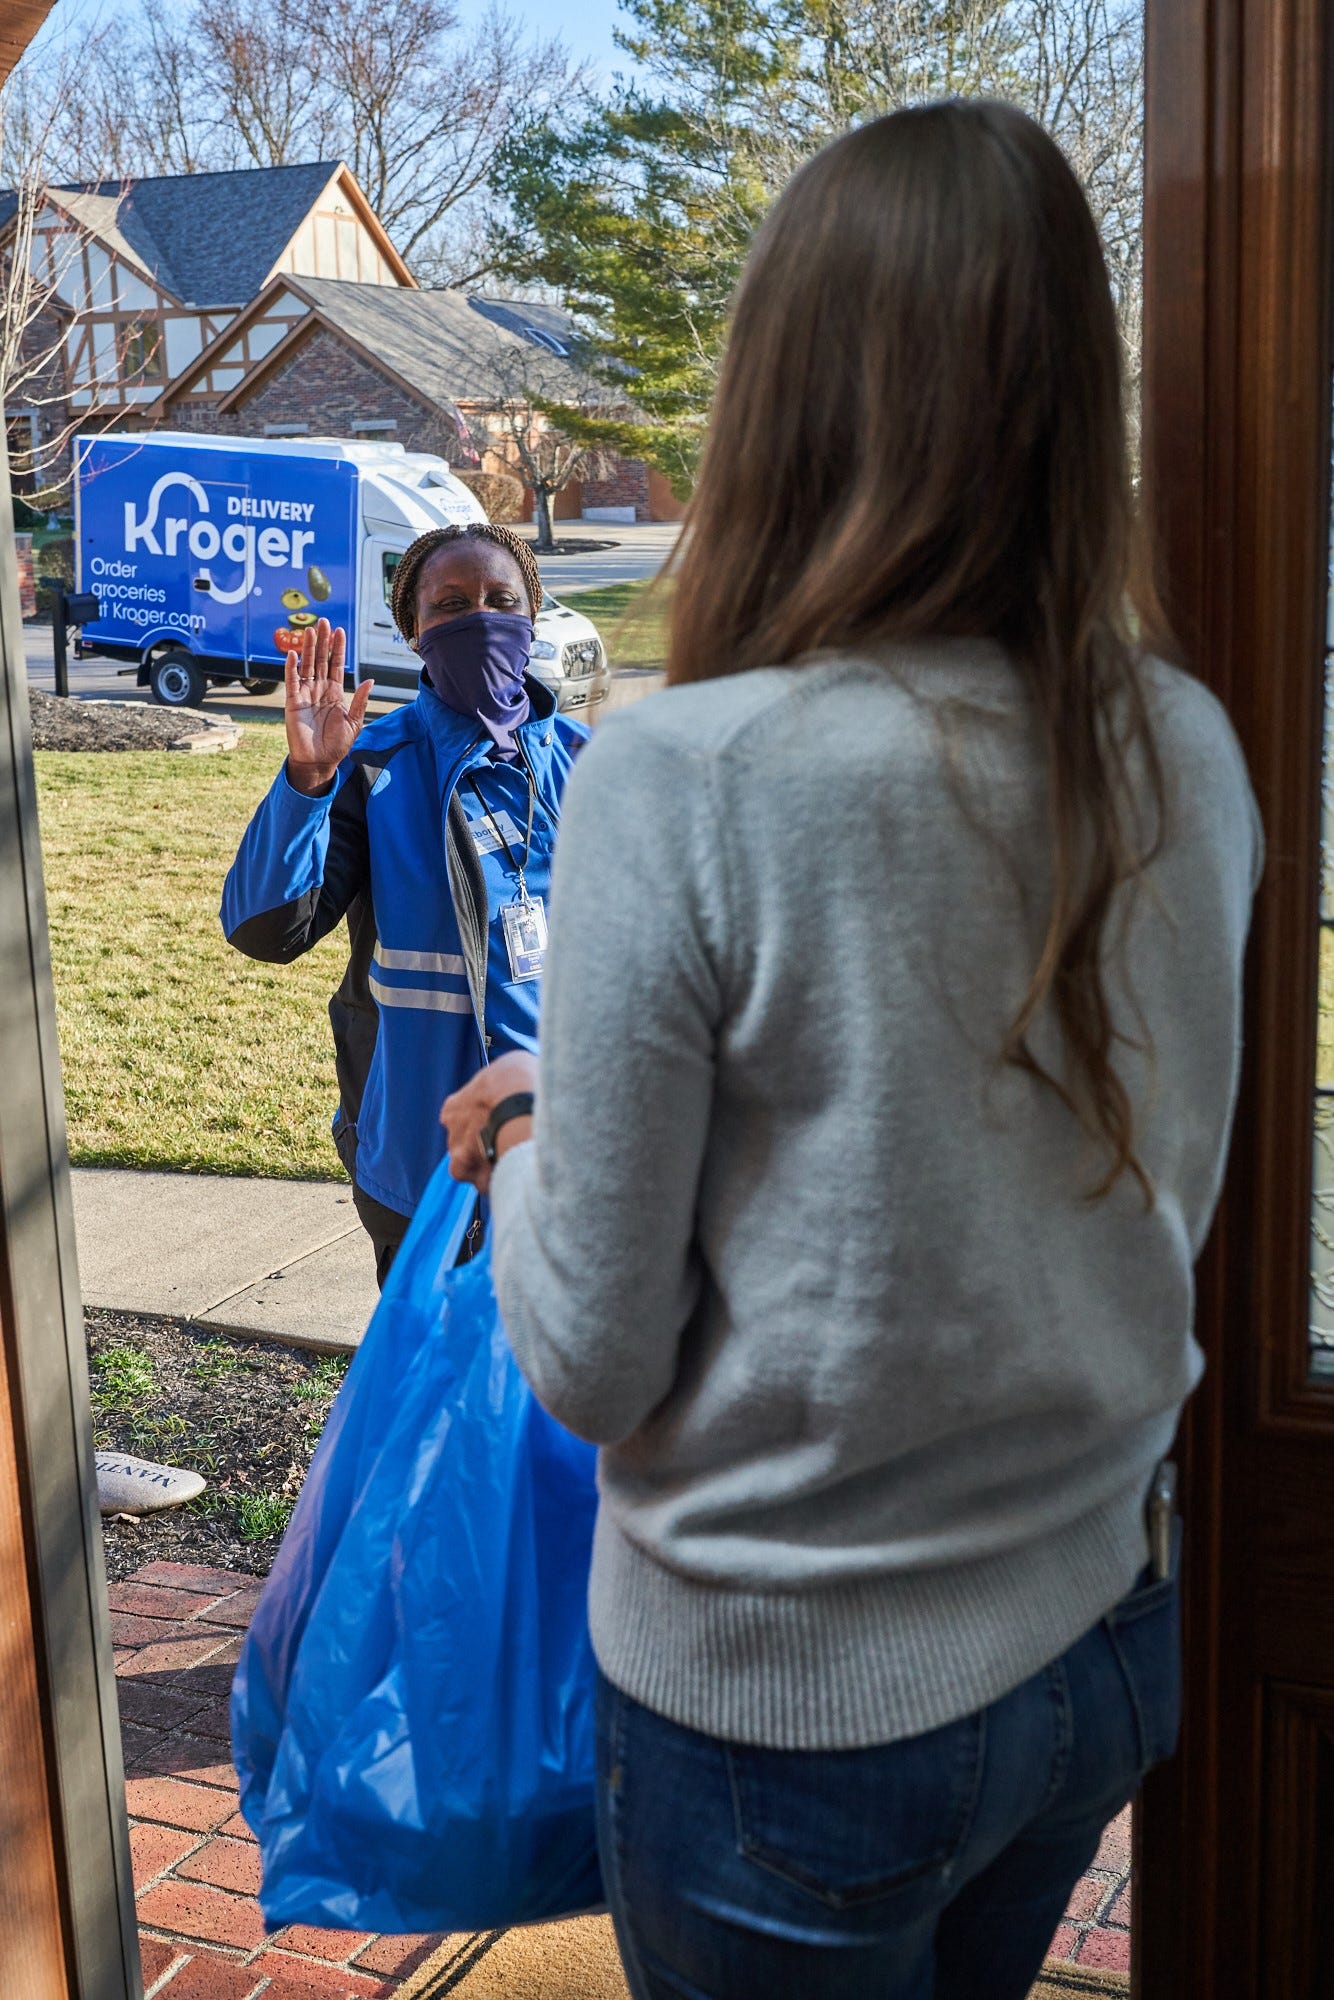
(455, 733)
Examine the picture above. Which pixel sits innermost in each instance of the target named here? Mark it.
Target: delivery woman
(431, 829)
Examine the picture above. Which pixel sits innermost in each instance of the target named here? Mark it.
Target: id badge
(486, 838)
(525, 937)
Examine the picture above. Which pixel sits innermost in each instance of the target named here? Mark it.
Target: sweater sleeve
(595, 1265)
(301, 863)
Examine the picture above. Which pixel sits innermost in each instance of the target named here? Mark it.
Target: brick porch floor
(177, 1632)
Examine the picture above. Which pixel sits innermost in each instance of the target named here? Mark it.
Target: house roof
(102, 214)
(91, 210)
(439, 344)
(444, 347)
(213, 239)
(444, 343)
(527, 317)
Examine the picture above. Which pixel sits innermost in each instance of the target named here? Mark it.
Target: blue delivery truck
(208, 556)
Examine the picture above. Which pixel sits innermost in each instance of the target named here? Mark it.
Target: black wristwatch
(520, 1105)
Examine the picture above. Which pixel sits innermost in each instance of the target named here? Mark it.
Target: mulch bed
(68, 724)
(247, 1414)
(568, 546)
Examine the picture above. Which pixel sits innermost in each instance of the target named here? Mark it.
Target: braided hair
(403, 593)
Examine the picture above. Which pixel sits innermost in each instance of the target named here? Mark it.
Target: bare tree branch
(528, 421)
(416, 103)
(41, 266)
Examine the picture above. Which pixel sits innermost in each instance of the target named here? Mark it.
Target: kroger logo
(241, 540)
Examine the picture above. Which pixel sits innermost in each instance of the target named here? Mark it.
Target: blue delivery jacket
(389, 848)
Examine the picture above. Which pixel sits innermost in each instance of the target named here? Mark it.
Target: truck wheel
(176, 681)
(261, 687)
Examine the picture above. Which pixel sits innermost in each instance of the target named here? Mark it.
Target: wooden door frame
(1239, 211)
(71, 1929)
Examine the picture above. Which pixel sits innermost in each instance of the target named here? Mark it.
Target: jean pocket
(1145, 1632)
(850, 1826)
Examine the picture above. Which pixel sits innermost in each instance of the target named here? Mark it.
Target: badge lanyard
(524, 921)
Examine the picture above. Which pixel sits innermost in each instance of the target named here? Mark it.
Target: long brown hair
(919, 431)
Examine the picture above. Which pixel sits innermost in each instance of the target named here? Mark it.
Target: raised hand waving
(322, 724)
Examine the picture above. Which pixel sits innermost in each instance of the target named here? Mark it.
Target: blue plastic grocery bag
(412, 1716)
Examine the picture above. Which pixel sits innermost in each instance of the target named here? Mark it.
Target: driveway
(640, 552)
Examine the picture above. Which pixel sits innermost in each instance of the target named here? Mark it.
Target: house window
(373, 426)
(142, 349)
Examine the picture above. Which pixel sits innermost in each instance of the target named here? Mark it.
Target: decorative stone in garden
(128, 1485)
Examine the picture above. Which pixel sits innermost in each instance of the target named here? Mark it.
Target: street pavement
(99, 680)
(640, 552)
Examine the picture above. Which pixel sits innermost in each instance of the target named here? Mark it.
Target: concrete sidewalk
(282, 1260)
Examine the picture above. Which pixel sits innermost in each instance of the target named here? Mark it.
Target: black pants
(385, 1227)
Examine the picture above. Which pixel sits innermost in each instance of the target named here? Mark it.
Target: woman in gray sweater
(888, 1052)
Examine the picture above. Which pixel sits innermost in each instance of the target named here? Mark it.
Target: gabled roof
(212, 239)
(443, 347)
(101, 214)
(442, 343)
(95, 213)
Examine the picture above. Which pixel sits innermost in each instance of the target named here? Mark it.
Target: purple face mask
(476, 665)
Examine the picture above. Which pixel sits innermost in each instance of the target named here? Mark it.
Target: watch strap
(519, 1104)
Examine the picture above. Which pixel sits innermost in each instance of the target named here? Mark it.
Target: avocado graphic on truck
(209, 558)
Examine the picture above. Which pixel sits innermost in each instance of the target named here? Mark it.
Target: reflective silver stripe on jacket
(421, 961)
(420, 996)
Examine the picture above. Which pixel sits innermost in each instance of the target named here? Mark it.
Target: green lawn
(632, 620)
(178, 1052)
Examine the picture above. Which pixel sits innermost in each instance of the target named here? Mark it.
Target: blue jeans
(935, 1868)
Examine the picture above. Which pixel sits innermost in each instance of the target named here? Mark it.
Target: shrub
(501, 494)
(54, 564)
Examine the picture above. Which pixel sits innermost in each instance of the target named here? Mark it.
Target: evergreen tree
(640, 216)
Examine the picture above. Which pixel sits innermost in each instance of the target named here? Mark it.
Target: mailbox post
(71, 608)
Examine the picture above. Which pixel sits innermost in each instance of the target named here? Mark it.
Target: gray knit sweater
(879, 1389)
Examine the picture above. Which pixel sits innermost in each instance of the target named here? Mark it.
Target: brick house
(324, 357)
(271, 302)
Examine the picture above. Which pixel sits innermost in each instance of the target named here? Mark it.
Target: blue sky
(585, 26)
